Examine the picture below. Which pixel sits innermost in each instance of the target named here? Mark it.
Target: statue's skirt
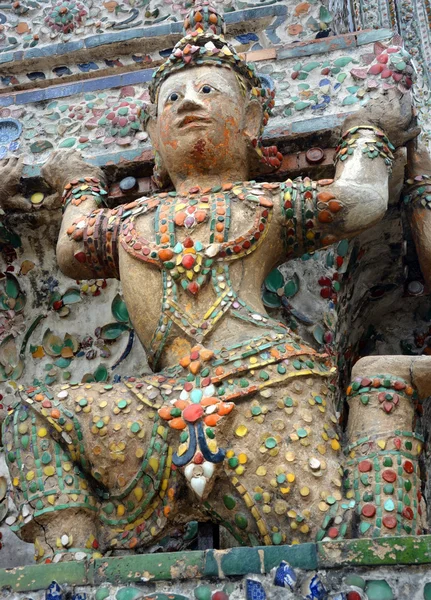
(123, 452)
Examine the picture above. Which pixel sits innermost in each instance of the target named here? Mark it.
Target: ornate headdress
(204, 44)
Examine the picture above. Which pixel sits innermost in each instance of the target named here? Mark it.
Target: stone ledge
(170, 30)
(220, 563)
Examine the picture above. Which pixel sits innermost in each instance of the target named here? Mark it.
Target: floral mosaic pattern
(30, 23)
(100, 122)
(414, 25)
(40, 336)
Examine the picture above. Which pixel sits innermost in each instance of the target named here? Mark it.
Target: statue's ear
(253, 119)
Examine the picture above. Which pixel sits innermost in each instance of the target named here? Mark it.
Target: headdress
(204, 44)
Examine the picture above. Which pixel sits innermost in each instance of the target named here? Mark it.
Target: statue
(236, 425)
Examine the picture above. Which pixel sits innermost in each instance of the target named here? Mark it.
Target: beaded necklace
(191, 263)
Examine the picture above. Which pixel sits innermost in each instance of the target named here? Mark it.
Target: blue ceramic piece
(247, 38)
(254, 590)
(79, 596)
(63, 70)
(214, 457)
(34, 75)
(316, 590)
(285, 576)
(86, 67)
(54, 592)
(181, 461)
(10, 130)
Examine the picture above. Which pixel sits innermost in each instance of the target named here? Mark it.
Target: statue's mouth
(193, 120)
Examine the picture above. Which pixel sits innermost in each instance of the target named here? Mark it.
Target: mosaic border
(221, 563)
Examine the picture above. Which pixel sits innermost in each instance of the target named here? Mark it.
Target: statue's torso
(192, 267)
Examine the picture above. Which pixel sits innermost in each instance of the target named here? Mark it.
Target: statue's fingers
(411, 134)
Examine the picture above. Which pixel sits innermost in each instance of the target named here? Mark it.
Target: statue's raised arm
(82, 249)
(316, 214)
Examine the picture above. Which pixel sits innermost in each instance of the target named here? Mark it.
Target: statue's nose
(188, 104)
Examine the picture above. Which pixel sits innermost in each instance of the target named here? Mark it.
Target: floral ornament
(61, 302)
(210, 409)
(66, 15)
(388, 401)
(50, 284)
(196, 403)
(92, 286)
(106, 336)
(278, 293)
(195, 413)
(390, 64)
(329, 287)
(12, 324)
(122, 122)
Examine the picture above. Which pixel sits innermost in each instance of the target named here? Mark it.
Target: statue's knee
(381, 397)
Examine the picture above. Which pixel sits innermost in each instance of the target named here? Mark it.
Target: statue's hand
(396, 117)
(10, 175)
(392, 75)
(392, 112)
(64, 166)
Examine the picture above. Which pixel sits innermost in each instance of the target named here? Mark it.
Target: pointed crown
(204, 44)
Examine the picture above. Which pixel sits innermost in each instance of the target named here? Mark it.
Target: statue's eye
(206, 89)
(173, 97)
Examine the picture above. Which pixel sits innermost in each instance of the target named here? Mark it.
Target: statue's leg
(57, 510)
(283, 464)
(383, 477)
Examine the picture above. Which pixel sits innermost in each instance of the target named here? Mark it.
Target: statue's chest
(194, 235)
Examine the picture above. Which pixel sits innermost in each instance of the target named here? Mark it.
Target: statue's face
(202, 123)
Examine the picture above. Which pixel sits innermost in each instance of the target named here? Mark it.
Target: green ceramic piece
(241, 521)
(274, 281)
(203, 592)
(379, 589)
(128, 593)
(229, 502)
(102, 593)
(355, 580)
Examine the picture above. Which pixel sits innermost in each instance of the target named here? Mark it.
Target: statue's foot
(67, 535)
